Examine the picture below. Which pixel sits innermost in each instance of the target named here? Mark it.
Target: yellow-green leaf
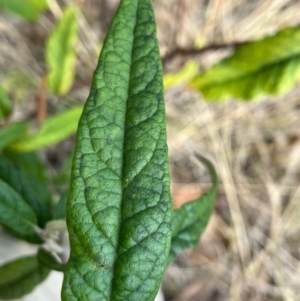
(188, 71)
(61, 54)
(52, 131)
(267, 66)
(26, 9)
(12, 132)
(16, 215)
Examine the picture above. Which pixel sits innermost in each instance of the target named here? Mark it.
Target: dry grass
(250, 250)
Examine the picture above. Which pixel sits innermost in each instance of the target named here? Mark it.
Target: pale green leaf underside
(60, 53)
(119, 208)
(267, 66)
(190, 220)
(16, 215)
(20, 277)
(52, 131)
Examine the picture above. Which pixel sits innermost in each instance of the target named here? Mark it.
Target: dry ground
(250, 250)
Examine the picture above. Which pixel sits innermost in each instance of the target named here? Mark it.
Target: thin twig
(178, 51)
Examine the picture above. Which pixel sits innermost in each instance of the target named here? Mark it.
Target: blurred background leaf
(53, 130)
(12, 132)
(5, 104)
(48, 260)
(60, 53)
(16, 215)
(34, 192)
(267, 66)
(26, 9)
(187, 72)
(24, 80)
(29, 162)
(61, 207)
(21, 276)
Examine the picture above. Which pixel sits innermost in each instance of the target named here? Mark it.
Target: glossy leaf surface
(26, 9)
(53, 130)
(34, 193)
(16, 215)
(267, 66)
(119, 208)
(20, 277)
(60, 53)
(190, 220)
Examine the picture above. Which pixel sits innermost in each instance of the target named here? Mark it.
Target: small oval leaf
(190, 220)
(60, 53)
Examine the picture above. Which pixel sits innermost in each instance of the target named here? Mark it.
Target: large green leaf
(12, 132)
(60, 53)
(267, 66)
(20, 277)
(119, 209)
(16, 215)
(5, 104)
(52, 131)
(190, 220)
(34, 193)
(26, 9)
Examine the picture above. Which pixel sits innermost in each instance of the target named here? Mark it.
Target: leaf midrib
(123, 157)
